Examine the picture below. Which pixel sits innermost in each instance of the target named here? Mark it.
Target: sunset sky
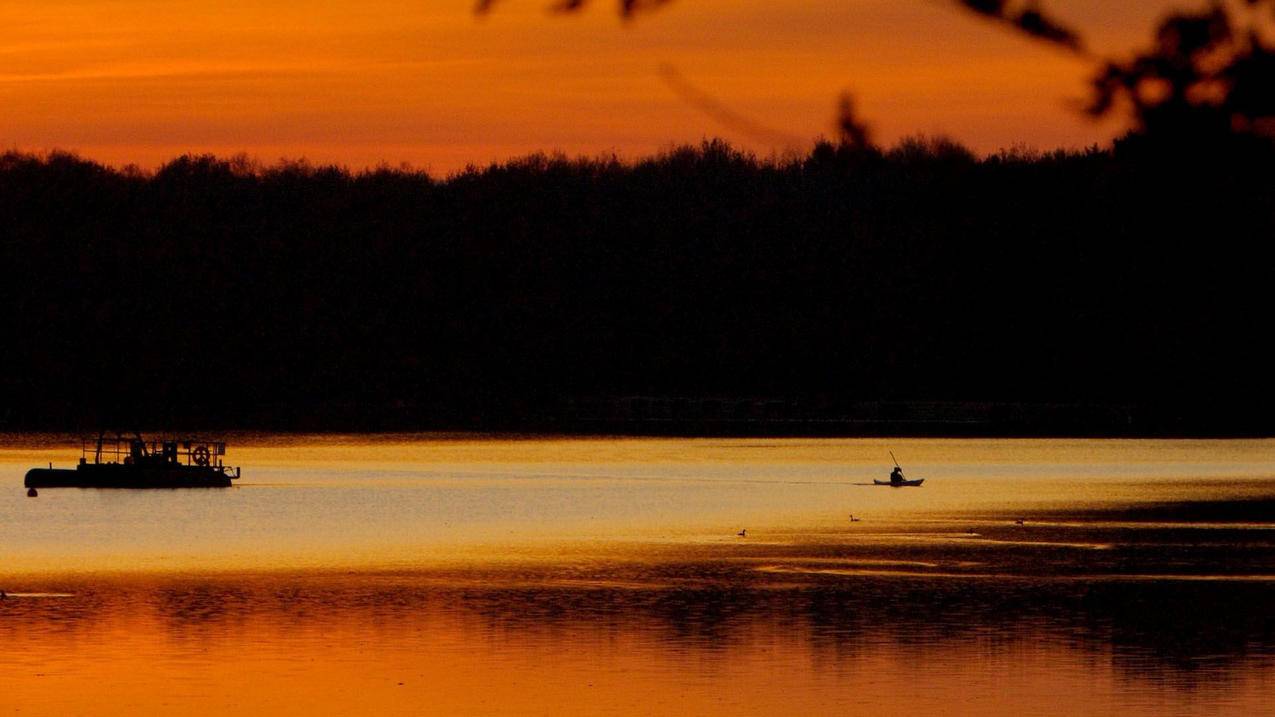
(429, 83)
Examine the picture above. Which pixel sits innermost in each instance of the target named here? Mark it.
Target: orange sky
(426, 82)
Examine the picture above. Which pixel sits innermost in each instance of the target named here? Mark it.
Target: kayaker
(896, 475)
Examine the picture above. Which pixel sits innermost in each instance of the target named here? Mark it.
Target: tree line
(218, 292)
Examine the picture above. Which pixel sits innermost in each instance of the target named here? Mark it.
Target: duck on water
(133, 462)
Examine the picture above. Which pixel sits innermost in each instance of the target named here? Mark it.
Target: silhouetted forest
(221, 293)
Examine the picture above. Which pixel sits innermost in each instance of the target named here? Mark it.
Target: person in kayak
(896, 475)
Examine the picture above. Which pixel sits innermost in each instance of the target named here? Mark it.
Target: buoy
(32, 492)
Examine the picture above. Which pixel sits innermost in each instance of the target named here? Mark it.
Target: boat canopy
(132, 449)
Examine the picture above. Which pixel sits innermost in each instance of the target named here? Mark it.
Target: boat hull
(901, 484)
(126, 476)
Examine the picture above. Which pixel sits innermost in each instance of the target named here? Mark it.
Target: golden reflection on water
(410, 575)
(409, 500)
(706, 640)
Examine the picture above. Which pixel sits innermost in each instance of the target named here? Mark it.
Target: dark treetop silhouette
(217, 292)
(1208, 77)
(850, 289)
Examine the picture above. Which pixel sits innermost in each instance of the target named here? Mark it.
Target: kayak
(900, 483)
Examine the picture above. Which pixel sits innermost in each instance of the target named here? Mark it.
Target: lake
(409, 574)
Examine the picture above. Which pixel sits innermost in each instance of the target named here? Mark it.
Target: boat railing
(181, 451)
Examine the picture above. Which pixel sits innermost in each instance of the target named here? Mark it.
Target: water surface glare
(418, 574)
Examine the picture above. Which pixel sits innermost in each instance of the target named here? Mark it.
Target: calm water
(409, 575)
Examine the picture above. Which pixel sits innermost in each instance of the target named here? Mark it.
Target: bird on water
(743, 533)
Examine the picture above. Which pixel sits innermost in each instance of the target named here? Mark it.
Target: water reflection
(1053, 593)
(724, 622)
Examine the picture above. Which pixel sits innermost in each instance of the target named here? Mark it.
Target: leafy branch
(1208, 75)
